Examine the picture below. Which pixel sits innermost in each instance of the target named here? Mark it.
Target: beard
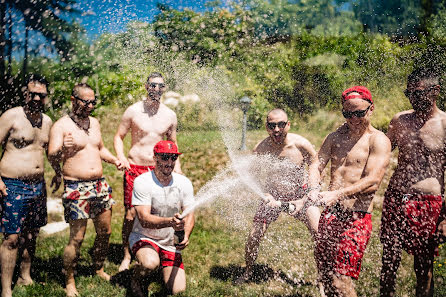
(420, 105)
(36, 106)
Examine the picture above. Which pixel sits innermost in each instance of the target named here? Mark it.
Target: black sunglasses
(160, 85)
(272, 125)
(166, 157)
(418, 93)
(41, 95)
(356, 113)
(86, 102)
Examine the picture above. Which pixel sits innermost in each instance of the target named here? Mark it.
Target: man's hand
(68, 140)
(55, 182)
(270, 201)
(298, 204)
(3, 189)
(177, 222)
(183, 244)
(119, 164)
(328, 198)
(124, 163)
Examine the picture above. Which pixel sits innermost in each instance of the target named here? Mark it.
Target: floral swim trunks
(86, 199)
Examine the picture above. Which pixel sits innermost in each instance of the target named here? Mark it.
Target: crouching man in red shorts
(158, 197)
(413, 200)
(359, 155)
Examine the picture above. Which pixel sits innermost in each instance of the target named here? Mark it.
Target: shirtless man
(295, 149)
(359, 155)
(149, 121)
(413, 200)
(24, 133)
(76, 140)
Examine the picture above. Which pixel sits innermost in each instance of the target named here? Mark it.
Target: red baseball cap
(362, 93)
(166, 147)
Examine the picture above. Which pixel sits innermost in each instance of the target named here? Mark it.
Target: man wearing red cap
(413, 200)
(149, 121)
(359, 155)
(158, 197)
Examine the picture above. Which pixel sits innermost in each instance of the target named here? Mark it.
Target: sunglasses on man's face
(41, 95)
(166, 157)
(417, 93)
(160, 85)
(356, 113)
(86, 102)
(272, 125)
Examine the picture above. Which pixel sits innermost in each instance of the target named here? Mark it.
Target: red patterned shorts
(409, 219)
(167, 258)
(129, 178)
(85, 199)
(341, 241)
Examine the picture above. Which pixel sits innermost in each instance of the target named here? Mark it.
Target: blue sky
(100, 16)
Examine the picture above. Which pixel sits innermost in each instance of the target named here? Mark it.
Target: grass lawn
(285, 266)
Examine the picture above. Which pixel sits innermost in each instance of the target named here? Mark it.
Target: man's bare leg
(344, 286)
(8, 254)
(390, 262)
(148, 262)
(424, 270)
(175, 279)
(29, 248)
(252, 250)
(102, 224)
(127, 226)
(71, 253)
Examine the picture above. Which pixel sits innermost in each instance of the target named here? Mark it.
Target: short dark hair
(36, 78)
(77, 87)
(424, 73)
(153, 75)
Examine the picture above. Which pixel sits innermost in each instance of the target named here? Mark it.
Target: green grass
(216, 251)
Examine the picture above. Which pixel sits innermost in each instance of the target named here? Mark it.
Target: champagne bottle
(288, 207)
(178, 236)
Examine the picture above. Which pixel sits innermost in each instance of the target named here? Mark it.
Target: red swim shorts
(167, 258)
(411, 219)
(341, 241)
(129, 178)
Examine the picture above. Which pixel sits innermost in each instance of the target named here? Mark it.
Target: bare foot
(71, 290)
(103, 275)
(244, 278)
(124, 265)
(24, 281)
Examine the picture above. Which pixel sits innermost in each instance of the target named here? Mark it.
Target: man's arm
(151, 221)
(374, 171)
(54, 153)
(308, 151)
(106, 155)
(172, 136)
(391, 132)
(6, 121)
(118, 143)
(57, 178)
(319, 162)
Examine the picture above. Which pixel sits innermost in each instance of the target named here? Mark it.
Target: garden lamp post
(245, 101)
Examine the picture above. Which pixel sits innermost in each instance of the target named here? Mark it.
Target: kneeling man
(158, 198)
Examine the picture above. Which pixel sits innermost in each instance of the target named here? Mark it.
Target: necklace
(85, 128)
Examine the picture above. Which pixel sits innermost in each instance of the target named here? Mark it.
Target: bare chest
(155, 126)
(348, 153)
(23, 135)
(291, 153)
(427, 140)
(82, 139)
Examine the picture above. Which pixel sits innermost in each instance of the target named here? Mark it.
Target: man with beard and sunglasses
(359, 155)
(149, 121)
(158, 197)
(24, 133)
(287, 147)
(413, 200)
(76, 140)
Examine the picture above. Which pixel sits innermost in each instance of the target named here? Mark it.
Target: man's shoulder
(61, 122)
(403, 115)
(166, 110)
(297, 139)
(262, 146)
(135, 106)
(181, 179)
(12, 112)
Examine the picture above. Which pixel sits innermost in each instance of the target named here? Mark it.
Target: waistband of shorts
(68, 181)
(340, 212)
(24, 180)
(413, 196)
(142, 166)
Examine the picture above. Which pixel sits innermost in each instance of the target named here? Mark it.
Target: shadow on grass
(261, 273)
(115, 253)
(152, 284)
